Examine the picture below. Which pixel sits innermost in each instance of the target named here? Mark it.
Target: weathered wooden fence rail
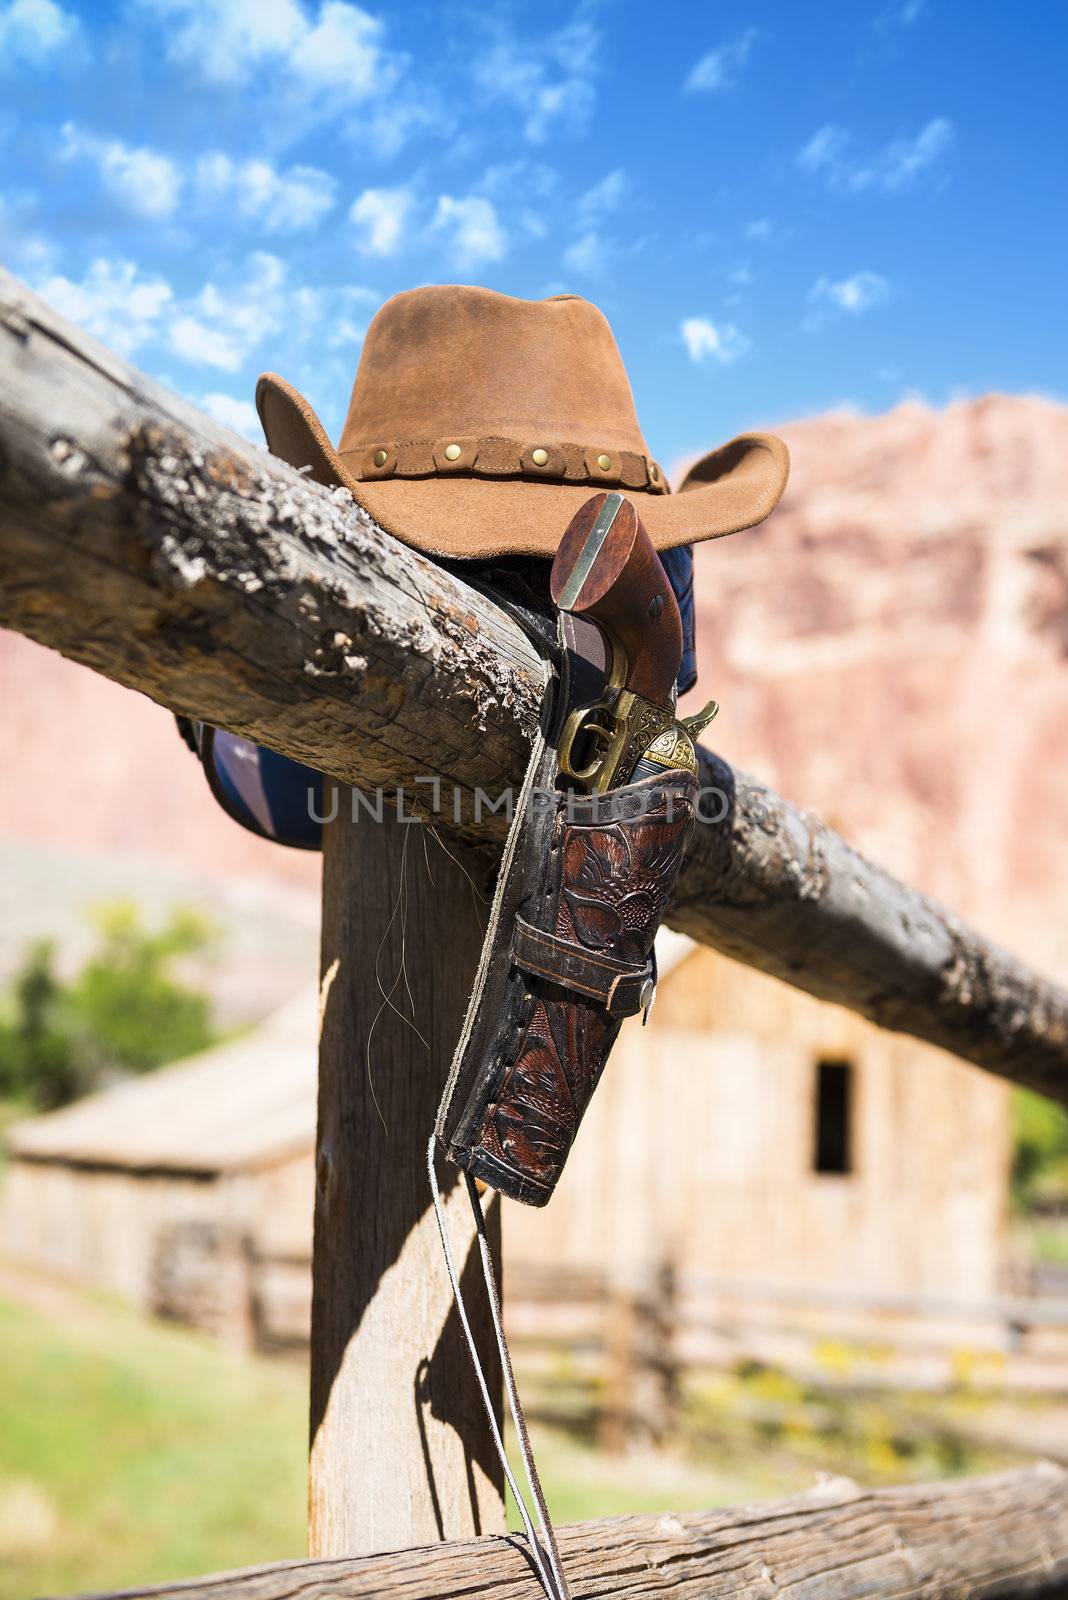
(145, 541)
(1004, 1537)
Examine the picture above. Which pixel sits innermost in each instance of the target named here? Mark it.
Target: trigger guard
(575, 726)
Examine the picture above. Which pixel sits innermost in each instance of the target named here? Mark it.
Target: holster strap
(622, 987)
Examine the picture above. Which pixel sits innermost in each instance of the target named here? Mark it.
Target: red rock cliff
(891, 649)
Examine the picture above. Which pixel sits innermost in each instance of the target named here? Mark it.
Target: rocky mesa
(891, 649)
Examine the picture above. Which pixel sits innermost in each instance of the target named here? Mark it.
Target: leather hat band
(494, 457)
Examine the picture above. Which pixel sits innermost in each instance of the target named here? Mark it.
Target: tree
(125, 1011)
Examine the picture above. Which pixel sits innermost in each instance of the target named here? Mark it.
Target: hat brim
(729, 489)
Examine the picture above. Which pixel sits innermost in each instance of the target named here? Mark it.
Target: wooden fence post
(639, 1395)
(401, 1452)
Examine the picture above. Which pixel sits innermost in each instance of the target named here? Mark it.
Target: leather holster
(583, 886)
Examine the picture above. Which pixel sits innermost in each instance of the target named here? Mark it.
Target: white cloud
(904, 159)
(143, 181)
(719, 68)
(531, 183)
(224, 41)
(384, 125)
(31, 31)
(281, 201)
(850, 296)
(899, 14)
(333, 317)
(586, 255)
(339, 54)
(224, 325)
(705, 341)
(549, 80)
(241, 415)
(113, 301)
(569, 103)
(858, 293)
(759, 228)
(575, 45)
(533, 179)
(896, 166)
(150, 184)
(471, 224)
(343, 51)
(533, 225)
(380, 215)
(22, 248)
(825, 151)
(205, 346)
(605, 196)
(231, 319)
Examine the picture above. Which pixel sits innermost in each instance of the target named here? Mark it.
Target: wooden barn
(750, 1138)
(188, 1192)
(754, 1134)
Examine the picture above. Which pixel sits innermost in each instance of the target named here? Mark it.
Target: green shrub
(1040, 1152)
(125, 1011)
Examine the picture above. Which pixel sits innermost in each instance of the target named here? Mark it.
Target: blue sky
(781, 208)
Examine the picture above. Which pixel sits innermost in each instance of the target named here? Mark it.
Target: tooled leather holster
(582, 889)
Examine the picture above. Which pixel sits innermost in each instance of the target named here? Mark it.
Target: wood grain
(999, 1538)
(153, 545)
(400, 1445)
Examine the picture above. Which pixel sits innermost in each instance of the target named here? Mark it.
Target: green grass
(799, 1428)
(133, 1453)
(1049, 1242)
(581, 1484)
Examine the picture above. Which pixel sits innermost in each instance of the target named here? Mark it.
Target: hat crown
(450, 359)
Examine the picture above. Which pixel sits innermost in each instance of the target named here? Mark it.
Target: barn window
(833, 1142)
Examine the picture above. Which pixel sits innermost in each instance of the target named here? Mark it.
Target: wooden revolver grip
(616, 579)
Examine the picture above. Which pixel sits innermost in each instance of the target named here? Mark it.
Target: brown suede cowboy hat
(479, 424)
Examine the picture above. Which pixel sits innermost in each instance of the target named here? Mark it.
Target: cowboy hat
(479, 424)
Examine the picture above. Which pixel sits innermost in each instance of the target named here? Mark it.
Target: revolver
(607, 571)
